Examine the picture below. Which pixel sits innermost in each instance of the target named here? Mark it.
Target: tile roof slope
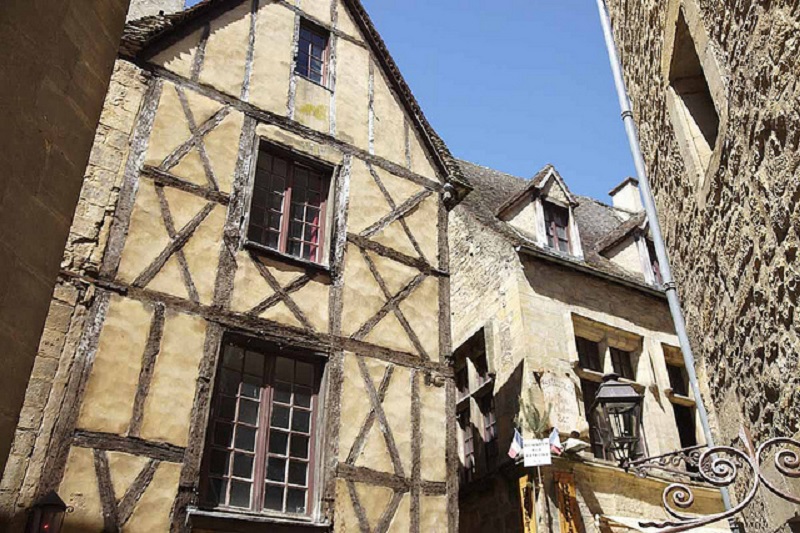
(140, 34)
(596, 220)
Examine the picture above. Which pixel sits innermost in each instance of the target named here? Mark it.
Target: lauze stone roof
(599, 224)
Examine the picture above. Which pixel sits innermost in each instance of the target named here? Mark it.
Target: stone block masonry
(733, 228)
(55, 75)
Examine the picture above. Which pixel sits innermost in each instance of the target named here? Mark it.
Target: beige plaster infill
(168, 408)
(226, 50)
(272, 57)
(108, 400)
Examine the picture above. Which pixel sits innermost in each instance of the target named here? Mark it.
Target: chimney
(625, 196)
(144, 8)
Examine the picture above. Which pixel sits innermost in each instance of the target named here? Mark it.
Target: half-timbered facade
(251, 326)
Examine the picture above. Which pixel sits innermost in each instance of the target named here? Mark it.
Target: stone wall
(52, 90)
(732, 231)
(144, 8)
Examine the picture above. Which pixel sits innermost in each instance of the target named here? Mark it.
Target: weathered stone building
(56, 65)
(251, 324)
(715, 95)
(550, 292)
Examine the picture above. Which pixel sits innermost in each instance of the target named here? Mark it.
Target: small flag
(516, 445)
(555, 442)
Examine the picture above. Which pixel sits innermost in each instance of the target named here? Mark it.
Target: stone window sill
(594, 375)
(679, 399)
(236, 522)
(266, 251)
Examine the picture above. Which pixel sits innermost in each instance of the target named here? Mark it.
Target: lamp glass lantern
(47, 514)
(617, 416)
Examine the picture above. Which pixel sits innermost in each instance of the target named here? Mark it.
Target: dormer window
(556, 222)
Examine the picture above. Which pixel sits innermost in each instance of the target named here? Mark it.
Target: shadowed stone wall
(55, 73)
(144, 8)
(732, 223)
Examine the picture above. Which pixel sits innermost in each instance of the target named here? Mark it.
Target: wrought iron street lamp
(47, 514)
(617, 416)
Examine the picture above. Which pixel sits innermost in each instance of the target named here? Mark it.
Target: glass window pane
(276, 202)
(296, 501)
(240, 494)
(276, 469)
(248, 412)
(301, 421)
(250, 389)
(229, 381)
(280, 417)
(243, 465)
(284, 369)
(273, 498)
(275, 220)
(245, 438)
(254, 363)
(312, 216)
(219, 462)
(299, 446)
(233, 357)
(277, 443)
(216, 491)
(227, 408)
(294, 248)
(283, 393)
(272, 239)
(296, 229)
(297, 473)
(302, 397)
(305, 374)
(223, 434)
(279, 167)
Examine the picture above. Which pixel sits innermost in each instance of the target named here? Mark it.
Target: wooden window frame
(262, 179)
(319, 31)
(489, 427)
(622, 363)
(261, 454)
(586, 361)
(589, 391)
(475, 385)
(678, 383)
(551, 214)
(469, 468)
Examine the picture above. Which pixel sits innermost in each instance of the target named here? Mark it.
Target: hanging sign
(536, 452)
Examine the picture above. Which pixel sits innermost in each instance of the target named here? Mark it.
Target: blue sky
(513, 87)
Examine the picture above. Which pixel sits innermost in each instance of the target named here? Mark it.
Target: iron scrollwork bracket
(718, 466)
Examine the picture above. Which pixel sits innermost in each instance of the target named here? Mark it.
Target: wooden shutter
(568, 515)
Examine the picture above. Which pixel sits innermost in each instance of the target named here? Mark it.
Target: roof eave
(581, 267)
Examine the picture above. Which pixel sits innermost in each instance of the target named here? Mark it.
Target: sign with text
(536, 452)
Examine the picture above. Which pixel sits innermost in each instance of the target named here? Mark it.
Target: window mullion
(287, 207)
(262, 451)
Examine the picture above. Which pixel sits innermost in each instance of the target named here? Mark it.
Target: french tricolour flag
(516, 445)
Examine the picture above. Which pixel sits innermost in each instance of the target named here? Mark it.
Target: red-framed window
(287, 211)
(589, 354)
(556, 222)
(622, 362)
(312, 53)
(260, 449)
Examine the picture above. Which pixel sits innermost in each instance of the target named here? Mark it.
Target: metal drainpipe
(655, 228)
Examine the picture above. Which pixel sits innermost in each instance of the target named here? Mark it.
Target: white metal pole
(655, 228)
